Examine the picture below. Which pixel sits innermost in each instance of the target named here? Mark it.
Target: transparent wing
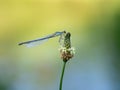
(40, 40)
(61, 39)
(36, 43)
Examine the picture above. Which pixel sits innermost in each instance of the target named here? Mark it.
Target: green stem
(61, 79)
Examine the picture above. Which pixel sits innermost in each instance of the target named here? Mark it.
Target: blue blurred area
(95, 29)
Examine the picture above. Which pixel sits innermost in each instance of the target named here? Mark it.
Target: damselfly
(64, 39)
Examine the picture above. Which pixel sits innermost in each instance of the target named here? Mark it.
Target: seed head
(67, 54)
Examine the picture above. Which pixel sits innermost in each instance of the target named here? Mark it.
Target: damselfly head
(64, 31)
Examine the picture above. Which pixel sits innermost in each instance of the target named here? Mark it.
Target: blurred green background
(95, 29)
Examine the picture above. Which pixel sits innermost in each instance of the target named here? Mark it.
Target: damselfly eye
(64, 31)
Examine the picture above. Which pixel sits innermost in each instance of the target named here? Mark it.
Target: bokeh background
(95, 29)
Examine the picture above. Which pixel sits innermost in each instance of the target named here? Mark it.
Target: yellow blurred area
(21, 19)
(35, 18)
(38, 15)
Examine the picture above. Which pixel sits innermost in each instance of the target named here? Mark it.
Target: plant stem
(61, 79)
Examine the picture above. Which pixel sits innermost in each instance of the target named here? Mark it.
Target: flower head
(67, 54)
